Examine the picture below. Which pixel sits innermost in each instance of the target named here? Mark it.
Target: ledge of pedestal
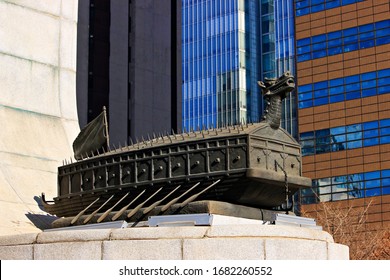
(262, 242)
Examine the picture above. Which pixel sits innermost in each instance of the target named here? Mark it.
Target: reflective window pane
(370, 125)
(383, 90)
(372, 175)
(320, 85)
(336, 82)
(369, 92)
(305, 96)
(366, 27)
(355, 194)
(307, 135)
(319, 38)
(315, 9)
(350, 31)
(384, 73)
(305, 88)
(366, 44)
(373, 192)
(354, 127)
(334, 35)
(382, 24)
(337, 130)
(332, 4)
(339, 196)
(383, 81)
(355, 177)
(368, 76)
(367, 36)
(320, 93)
(350, 47)
(319, 54)
(370, 133)
(350, 39)
(322, 149)
(385, 173)
(336, 98)
(385, 191)
(384, 131)
(384, 123)
(354, 144)
(319, 46)
(338, 138)
(334, 51)
(305, 104)
(352, 79)
(382, 41)
(322, 133)
(303, 57)
(336, 90)
(385, 139)
(303, 42)
(321, 101)
(352, 95)
(386, 182)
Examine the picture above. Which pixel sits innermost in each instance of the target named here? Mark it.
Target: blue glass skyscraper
(217, 65)
(278, 52)
(227, 47)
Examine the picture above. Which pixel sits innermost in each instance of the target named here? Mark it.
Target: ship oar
(195, 196)
(83, 211)
(102, 217)
(157, 203)
(135, 210)
(120, 212)
(97, 210)
(173, 201)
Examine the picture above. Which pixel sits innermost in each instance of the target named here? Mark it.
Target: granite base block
(229, 242)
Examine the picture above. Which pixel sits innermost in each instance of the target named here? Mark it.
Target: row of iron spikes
(174, 135)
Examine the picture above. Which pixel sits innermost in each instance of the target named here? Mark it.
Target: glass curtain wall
(210, 63)
(220, 62)
(227, 47)
(278, 54)
(285, 59)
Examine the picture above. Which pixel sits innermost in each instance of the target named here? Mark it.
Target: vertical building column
(119, 71)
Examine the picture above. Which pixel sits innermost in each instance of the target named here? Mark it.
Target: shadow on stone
(41, 221)
(38, 199)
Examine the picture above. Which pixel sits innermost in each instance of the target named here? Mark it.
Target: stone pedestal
(227, 242)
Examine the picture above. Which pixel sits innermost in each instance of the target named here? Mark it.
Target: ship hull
(254, 166)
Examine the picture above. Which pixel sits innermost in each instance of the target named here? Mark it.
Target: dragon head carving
(274, 91)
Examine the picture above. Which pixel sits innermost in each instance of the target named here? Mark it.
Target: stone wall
(38, 114)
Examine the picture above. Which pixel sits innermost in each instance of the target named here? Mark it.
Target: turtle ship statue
(254, 165)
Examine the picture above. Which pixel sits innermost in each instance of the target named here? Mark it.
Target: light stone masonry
(219, 242)
(38, 110)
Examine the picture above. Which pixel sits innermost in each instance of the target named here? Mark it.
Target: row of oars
(141, 205)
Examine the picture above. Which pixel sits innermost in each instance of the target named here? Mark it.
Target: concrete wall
(234, 242)
(38, 115)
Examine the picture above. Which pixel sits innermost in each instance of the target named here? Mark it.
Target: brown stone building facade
(343, 77)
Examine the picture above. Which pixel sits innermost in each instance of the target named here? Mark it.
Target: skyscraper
(278, 52)
(343, 74)
(129, 60)
(227, 47)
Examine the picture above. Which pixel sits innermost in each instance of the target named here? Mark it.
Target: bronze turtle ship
(246, 164)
